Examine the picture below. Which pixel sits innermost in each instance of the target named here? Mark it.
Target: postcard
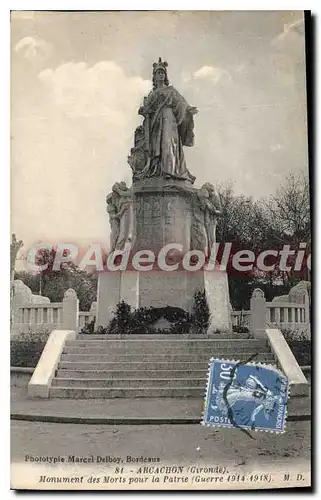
(161, 250)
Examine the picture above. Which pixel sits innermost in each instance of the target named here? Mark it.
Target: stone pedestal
(114, 286)
(163, 213)
(108, 296)
(161, 289)
(218, 299)
(70, 310)
(258, 314)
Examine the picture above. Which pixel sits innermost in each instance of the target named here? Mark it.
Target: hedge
(302, 351)
(26, 349)
(300, 344)
(144, 320)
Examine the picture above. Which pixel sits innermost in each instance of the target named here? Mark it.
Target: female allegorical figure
(168, 126)
(120, 210)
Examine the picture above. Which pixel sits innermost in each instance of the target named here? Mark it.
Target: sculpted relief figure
(198, 231)
(111, 201)
(120, 210)
(138, 155)
(167, 127)
(206, 209)
(212, 208)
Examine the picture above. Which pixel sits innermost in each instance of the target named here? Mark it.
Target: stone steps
(100, 383)
(97, 367)
(144, 365)
(154, 337)
(167, 344)
(207, 350)
(127, 392)
(157, 358)
(131, 374)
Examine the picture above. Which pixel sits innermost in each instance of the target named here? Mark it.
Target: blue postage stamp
(245, 395)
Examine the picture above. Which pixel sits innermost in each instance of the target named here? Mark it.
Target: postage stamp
(246, 395)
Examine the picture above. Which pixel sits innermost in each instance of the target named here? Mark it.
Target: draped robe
(168, 127)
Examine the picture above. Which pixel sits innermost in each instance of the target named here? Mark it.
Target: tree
(257, 225)
(53, 284)
(289, 210)
(289, 218)
(15, 246)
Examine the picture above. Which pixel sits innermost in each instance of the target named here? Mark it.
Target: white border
(4, 198)
(160, 5)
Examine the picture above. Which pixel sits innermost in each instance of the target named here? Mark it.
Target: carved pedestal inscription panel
(162, 218)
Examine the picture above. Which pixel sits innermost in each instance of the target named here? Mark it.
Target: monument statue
(198, 231)
(111, 201)
(163, 210)
(138, 154)
(15, 246)
(212, 208)
(206, 208)
(167, 127)
(120, 210)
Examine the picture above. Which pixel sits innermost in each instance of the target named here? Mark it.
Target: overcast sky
(78, 80)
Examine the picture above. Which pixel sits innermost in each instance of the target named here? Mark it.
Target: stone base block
(108, 296)
(161, 289)
(163, 213)
(112, 288)
(218, 299)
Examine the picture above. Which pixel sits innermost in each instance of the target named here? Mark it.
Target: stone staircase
(146, 367)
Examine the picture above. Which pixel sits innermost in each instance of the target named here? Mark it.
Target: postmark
(248, 396)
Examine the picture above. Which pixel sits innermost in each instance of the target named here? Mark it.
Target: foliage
(201, 312)
(88, 328)
(246, 223)
(257, 225)
(122, 319)
(26, 349)
(289, 210)
(293, 334)
(144, 320)
(240, 329)
(300, 344)
(302, 351)
(53, 284)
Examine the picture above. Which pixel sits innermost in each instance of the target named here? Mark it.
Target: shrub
(240, 329)
(290, 334)
(302, 351)
(201, 312)
(142, 320)
(26, 349)
(88, 328)
(300, 345)
(123, 318)
(101, 330)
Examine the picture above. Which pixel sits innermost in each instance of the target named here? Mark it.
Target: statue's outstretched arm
(192, 109)
(123, 209)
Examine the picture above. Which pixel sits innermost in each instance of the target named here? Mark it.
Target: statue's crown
(160, 65)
